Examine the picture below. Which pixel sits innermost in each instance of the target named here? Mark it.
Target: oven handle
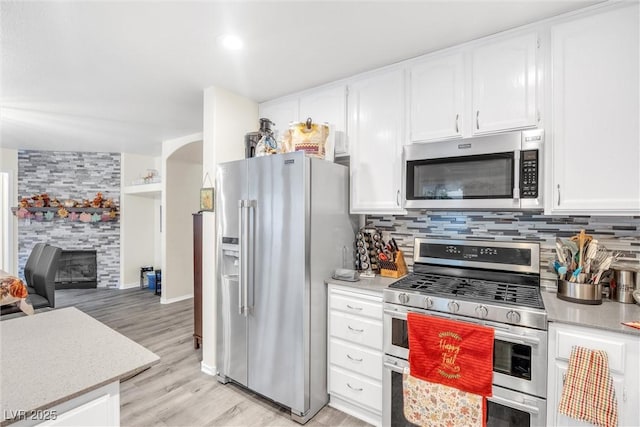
(515, 405)
(517, 339)
(394, 368)
(513, 338)
(396, 314)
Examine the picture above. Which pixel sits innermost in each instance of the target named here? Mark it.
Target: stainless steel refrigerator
(283, 226)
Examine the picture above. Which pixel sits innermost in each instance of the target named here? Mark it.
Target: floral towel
(12, 290)
(588, 392)
(436, 405)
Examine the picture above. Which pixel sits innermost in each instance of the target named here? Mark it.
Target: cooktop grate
(472, 289)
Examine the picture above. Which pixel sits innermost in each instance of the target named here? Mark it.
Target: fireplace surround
(77, 269)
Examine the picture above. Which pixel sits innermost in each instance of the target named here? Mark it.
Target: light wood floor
(175, 392)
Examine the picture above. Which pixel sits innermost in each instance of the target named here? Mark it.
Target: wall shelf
(76, 209)
(145, 190)
(73, 214)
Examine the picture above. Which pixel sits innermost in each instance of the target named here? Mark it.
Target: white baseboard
(208, 369)
(164, 300)
(129, 285)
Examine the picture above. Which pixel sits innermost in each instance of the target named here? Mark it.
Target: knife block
(394, 269)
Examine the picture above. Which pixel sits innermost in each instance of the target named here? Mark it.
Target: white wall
(139, 222)
(182, 179)
(227, 118)
(8, 222)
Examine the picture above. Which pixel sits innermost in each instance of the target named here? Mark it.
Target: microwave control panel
(529, 174)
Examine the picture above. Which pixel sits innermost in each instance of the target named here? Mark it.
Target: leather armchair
(43, 281)
(31, 263)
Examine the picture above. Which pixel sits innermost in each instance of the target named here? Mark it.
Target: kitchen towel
(455, 354)
(437, 405)
(588, 393)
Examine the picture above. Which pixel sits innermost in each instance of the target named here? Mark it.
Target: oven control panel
(509, 256)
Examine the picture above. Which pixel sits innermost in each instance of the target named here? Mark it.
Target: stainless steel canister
(622, 285)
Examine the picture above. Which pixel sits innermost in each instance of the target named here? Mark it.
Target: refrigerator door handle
(251, 241)
(242, 272)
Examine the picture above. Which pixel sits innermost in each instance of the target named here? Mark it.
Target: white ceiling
(123, 76)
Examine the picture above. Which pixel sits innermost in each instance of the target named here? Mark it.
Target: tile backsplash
(619, 234)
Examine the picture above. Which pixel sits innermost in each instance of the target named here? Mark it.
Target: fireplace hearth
(77, 269)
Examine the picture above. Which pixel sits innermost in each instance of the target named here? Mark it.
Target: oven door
(519, 354)
(506, 408)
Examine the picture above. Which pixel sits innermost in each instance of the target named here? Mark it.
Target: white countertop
(608, 316)
(54, 356)
(375, 284)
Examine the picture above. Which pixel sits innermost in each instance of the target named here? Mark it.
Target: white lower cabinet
(623, 354)
(355, 352)
(100, 407)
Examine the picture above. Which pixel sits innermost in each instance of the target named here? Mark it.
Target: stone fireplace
(74, 175)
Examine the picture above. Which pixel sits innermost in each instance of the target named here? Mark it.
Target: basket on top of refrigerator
(314, 139)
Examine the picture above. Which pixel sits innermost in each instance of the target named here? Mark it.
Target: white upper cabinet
(437, 102)
(376, 131)
(328, 105)
(595, 114)
(504, 84)
(280, 111)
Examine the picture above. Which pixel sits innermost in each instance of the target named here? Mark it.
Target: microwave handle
(516, 175)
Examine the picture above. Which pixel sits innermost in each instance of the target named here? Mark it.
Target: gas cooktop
(472, 289)
(487, 280)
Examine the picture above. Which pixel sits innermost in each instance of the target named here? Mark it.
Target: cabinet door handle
(457, 116)
(354, 358)
(354, 329)
(354, 308)
(564, 378)
(558, 194)
(398, 198)
(354, 388)
(478, 119)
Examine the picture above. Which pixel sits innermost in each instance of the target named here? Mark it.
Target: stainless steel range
(493, 283)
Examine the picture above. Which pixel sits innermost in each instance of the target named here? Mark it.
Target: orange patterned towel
(588, 392)
(456, 354)
(436, 405)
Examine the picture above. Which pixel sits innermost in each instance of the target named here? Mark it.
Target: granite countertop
(608, 316)
(375, 284)
(55, 356)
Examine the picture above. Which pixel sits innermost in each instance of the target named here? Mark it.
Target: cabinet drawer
(356, 358)
(358, 389)
(356, 305)
(356, 329)
(615, 349)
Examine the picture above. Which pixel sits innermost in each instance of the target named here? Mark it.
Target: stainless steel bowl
(581, 293)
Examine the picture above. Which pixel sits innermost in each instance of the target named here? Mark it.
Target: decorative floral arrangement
(64, 208)
(12, 290)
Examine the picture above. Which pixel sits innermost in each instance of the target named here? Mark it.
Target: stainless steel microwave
(502, 171)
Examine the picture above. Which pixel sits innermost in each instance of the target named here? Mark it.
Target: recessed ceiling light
(230, 42)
